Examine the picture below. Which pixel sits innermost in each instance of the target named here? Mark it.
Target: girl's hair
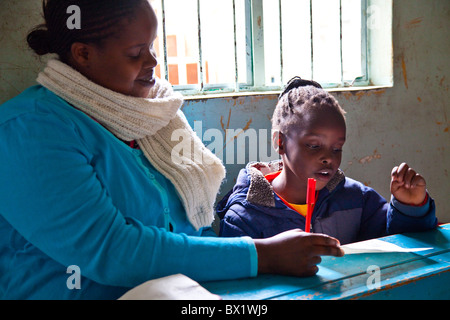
(100, 19)
(299, 98)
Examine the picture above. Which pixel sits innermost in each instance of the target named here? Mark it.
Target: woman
(92, 180)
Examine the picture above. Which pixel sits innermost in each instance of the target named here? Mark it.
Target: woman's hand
(407, 186)
(295, 252)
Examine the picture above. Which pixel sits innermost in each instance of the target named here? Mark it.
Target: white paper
(175, 287)
(376, 246)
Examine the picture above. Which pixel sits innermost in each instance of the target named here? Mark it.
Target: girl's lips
(324, 175)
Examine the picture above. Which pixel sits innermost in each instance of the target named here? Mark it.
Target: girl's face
(125, 62)
(314, 149)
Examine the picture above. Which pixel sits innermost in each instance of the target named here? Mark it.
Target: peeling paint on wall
(405, 75)
(414, 23)
(363, 93)
(226, 131)
(439, 123)
(369, 159)
(228, 122)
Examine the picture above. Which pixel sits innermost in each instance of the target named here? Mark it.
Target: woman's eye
(313, 146)
(135, 54)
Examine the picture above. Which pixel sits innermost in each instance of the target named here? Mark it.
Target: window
(208, 46)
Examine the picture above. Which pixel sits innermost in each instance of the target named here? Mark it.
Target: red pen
(310, 202)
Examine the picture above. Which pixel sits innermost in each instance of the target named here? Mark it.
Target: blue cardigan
(71, 193)
(345, 209)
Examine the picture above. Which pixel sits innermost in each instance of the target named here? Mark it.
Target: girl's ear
(278, 142)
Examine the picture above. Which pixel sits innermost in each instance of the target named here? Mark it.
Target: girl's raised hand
(407, 186)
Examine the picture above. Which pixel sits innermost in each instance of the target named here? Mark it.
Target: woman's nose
(151, 60)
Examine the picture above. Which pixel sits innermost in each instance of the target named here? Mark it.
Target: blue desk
(419, 275)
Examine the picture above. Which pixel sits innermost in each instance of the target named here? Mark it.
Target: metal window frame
(254, 13)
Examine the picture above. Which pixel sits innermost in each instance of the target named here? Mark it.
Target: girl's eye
(313, 146)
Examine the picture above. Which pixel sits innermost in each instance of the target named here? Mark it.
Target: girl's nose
(326, 157)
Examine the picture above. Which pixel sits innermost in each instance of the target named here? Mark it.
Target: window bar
(236, 71)
(258, 43)
(340, 43)
(312, 38)
(364, 44)
(281, 43)
(248, 41)
(200, 54)
(166, 65)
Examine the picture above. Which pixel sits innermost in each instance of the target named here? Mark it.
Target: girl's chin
(320, 184)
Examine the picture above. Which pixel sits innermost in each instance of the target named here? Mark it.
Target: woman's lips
(147, 83)
(147, 80)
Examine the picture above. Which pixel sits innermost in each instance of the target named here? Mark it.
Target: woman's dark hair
(100, 19)
(298, 98)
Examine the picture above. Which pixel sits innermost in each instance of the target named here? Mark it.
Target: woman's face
(125, 62)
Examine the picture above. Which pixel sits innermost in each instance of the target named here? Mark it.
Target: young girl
(309, 133)
(89, 186)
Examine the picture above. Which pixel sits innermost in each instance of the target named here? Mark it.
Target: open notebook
(174, 287)
(376, 246)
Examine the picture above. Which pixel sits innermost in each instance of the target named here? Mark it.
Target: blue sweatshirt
(345, 209)
(71, 193)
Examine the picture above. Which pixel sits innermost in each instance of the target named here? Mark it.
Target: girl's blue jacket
(345, 209)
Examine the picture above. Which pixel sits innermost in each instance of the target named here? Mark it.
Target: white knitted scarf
(157, 124)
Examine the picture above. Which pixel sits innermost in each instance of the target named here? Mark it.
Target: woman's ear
(278, 141)
(81, 54)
